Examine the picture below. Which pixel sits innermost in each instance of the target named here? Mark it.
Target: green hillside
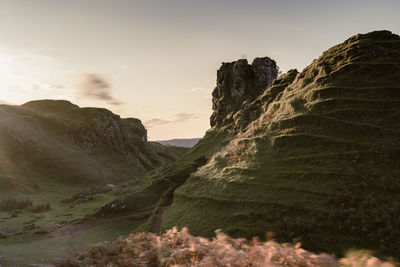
(320, 162)
(56, 141)
(58, 164)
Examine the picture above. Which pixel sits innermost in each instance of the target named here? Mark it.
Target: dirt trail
(181, 175)
(156, 224)
(80, 228)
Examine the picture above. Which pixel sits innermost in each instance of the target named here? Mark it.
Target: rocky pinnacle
(238, 82)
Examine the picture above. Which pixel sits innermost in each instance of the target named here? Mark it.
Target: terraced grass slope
(52, 141)
(318, 160)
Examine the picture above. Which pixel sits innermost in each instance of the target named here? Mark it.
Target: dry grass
(11, 204)
(40, 207)
(179, 248)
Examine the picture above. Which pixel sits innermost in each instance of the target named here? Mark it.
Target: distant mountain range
(184, 142)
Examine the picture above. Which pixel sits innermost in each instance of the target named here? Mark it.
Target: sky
(157, 60)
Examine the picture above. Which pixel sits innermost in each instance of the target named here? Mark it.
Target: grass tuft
(12, 204)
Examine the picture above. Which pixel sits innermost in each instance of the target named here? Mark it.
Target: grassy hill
(314, 158)
(320, 163)
(47, 141)
(56, 163)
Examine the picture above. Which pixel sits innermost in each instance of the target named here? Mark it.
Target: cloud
(97, 87)
(181, 117)
(204, 92)
(156, 122)
(57, 86)
(177, 118)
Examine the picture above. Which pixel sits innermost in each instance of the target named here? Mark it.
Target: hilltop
(56, 141)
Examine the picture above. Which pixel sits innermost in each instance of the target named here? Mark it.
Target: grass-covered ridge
(321, 161)
(55, 140)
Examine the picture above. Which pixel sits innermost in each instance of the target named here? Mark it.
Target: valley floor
(28, 249)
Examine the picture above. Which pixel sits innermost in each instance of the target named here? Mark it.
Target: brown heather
(179, 248)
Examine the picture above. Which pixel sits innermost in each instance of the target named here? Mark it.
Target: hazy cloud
(57, 86)
(156, 122)
(203, 92)
(97, 87)
(181, 117)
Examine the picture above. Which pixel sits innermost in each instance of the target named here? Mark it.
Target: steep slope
(316, 157)
(56, 141)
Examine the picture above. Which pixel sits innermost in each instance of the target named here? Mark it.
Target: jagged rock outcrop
(135, 130)
(107, 129)
(237, 83)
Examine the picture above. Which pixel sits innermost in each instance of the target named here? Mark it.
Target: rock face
(108, 130)
(61, 141)
(93, 129)
(316, 157)
(239, 82)
(250, 111)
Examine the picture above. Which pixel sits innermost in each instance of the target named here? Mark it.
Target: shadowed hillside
(56, 141)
